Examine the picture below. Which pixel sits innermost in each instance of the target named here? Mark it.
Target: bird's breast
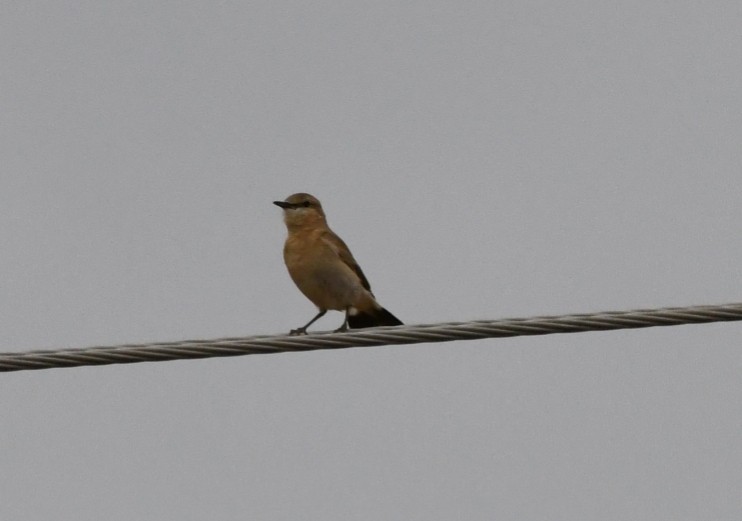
(320, 274)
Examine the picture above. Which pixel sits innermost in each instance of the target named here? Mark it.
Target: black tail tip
(380, 318)
(387, 319)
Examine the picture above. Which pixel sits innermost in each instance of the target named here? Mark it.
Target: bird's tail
(373, 318)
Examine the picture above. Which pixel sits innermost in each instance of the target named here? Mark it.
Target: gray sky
(481, 159)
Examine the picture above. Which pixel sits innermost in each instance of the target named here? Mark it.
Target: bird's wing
(342, 250)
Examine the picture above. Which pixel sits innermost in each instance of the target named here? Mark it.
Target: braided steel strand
(446, 332)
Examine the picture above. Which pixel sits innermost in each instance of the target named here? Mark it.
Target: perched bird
(323, 268)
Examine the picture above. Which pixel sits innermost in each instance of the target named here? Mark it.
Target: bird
(324, 270)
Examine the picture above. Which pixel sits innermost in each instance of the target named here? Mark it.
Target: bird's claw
(299, 331)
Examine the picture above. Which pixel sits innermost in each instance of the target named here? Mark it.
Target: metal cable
(446, 332)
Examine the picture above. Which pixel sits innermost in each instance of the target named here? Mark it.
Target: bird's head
(301, 210)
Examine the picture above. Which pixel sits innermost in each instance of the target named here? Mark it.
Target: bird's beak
(283, 204)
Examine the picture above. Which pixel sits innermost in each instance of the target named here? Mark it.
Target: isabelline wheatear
(323, 268)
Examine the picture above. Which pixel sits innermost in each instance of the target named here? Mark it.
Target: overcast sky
(482, 160)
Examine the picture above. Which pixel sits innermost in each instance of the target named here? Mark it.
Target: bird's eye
(306, 204)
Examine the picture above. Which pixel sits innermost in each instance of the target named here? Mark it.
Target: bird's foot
(298, 331)
(342, 329)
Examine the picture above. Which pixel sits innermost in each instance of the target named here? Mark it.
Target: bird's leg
(344, 327)
(303, 330)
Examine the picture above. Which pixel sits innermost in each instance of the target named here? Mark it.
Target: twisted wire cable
(444, 332)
